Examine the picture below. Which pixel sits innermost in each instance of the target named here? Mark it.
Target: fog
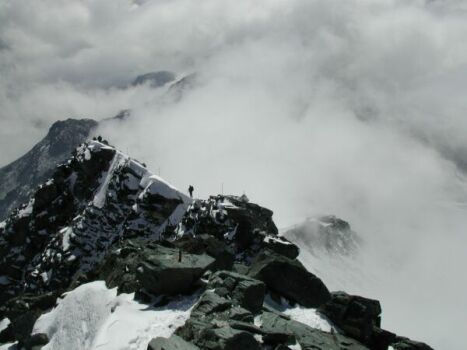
(352, 108)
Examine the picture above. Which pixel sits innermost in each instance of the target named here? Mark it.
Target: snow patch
(87, 154)
(27, 210)
(67, 233)
(153, 184)
(101, 194)
(310, 317)
(93, 317)
(4, 324)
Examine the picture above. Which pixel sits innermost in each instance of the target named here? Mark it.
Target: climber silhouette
(191, 189)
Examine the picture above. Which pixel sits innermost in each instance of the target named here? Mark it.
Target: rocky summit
(106, 255)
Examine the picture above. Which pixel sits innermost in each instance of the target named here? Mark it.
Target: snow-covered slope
(94, 317)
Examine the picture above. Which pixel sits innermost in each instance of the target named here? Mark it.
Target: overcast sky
(354, 108)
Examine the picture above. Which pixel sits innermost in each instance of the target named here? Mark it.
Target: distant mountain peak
(155, 79)
(20, 177)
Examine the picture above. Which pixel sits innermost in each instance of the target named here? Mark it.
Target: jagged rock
(169, 271)
(172, 343)
(281, 246)
(407, 344)
(241, 224)
(119, 267)
(359, 318)
(289, 278)
(245, 291)
(309, 338)
(356, 313)
(23, 311)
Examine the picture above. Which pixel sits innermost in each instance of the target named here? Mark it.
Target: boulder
(244, 291)
(289, 278)
(169, 271)
(210, 303)
(161, 270)
(281, 246)
(214, 247)
(278, 326)
(172, 343)
(359, 318)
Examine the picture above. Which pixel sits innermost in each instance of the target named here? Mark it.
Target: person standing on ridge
(190, 190)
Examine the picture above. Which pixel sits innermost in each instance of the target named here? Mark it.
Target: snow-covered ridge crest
(143, 180)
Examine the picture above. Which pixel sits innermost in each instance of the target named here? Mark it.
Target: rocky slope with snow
(20, 178)
(106, 255)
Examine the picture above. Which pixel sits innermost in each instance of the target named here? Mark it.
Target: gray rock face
(20, 178)
(280, 327)
(356, 316)
(167, 271)
(172, 343)
(289, 278)
(281, 246)
(245, 291)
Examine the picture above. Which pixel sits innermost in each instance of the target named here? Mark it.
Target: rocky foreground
(103, 216)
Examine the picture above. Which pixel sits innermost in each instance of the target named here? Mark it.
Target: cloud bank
(354, 108)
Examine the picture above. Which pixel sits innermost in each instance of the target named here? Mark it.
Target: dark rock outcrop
(289, 278)
(359, 318)
(280, 327)
(247, 292)
(355, 315)
(169, 271)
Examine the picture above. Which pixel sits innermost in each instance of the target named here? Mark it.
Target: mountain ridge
(103, 216)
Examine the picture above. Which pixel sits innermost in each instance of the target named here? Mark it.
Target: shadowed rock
(289, 278)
